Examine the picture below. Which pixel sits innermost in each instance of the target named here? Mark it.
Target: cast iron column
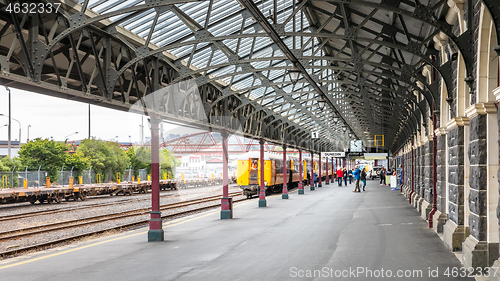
(155, 232)
(301, 173)
(327, 178)
(284, 194)
(312, 187)
(319, 170)
(332, 178)
(262, 194)
(226, 202)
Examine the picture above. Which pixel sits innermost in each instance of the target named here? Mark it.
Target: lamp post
(9, 145)
(10, 126)
(28, 139)
(66, 137)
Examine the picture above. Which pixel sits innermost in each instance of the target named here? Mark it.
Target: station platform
(329, 233)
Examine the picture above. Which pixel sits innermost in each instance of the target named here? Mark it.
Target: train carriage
(248, 172)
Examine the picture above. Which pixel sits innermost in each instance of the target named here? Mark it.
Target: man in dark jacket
(363, 178)
(357, 177)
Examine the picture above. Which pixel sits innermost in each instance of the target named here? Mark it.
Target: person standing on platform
(363, 178)
(349, 174)
(383, 173)
(357, 177)
(344, 171)
(315, 179)
(400, 175)
(340, 176)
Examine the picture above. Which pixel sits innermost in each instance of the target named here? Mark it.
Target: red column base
(226, 208)
(155, 232)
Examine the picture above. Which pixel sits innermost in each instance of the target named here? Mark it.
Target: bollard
(182, 177)
(149, 177)
(133, 178)
(25, 183)
(4, 181)
(139, 180)
(71, 182)
(47, 182)
(164, 176)
(118, 177)
(98, 178)
(80, 180)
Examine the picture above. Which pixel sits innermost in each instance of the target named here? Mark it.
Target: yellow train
(248, 172)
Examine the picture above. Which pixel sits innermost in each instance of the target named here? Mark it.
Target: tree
(104, 156)
(78, 162)
(9, 165)
(140, 157)
(169, 161)
(48, 154)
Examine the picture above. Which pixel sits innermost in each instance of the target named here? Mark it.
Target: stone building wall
(456, 174)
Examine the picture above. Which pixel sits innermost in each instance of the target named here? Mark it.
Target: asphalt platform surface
(331, 233)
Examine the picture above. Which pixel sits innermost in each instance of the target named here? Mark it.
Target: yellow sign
(379, 140)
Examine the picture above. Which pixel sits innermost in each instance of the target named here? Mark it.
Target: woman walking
(363, 178)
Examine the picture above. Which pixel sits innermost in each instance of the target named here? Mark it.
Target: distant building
(4, 148)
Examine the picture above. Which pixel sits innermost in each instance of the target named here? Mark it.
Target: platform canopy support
(312, 187)
(327, 179)
(226, 202)
(284, 194)
(155, 232)
(301, 173)
(262, 194)
(333, 172)
(320, 183)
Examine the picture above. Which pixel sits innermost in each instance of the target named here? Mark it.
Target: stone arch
(487, 72)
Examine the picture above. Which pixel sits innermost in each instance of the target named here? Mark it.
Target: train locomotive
(248, 172)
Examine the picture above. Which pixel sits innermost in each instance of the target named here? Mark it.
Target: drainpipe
(434, 167)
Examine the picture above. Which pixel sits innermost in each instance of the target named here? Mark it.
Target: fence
(38, 178)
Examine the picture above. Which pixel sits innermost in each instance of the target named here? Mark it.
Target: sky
(60, 119)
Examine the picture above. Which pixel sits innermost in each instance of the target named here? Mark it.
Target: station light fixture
(344, 129)
(321, 104)
(497, 49)
(294, 75)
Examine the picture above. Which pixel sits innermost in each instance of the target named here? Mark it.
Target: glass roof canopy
(221, 40)
(364, 64)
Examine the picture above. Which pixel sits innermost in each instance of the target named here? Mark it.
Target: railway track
(25, 233)
(70, 209)
(74, 208)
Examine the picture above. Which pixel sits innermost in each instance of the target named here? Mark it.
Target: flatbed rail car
(248, 172)
(55, 194)
(195, 182)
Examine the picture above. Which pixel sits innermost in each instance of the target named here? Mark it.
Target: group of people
(359, 176)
